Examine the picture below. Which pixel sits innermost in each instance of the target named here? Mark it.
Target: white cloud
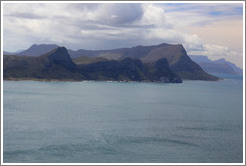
(154, 15)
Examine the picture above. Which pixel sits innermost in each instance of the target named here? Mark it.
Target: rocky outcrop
(61, 57)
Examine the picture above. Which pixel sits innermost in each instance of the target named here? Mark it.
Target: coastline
(122, 81)
(70, 80)
(41, 80)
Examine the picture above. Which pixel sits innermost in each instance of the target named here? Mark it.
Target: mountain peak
(61, 57)
(36, 50)
(61, 53)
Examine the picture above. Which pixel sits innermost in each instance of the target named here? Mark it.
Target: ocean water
(113, 122)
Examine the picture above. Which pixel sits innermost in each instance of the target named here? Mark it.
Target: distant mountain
(36, 50)
(220, 66)
(12, 53)
(217, 68)
(57, 65)
(237, 70)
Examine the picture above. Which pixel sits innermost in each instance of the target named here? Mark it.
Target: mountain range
(158, 63)
(220, 66)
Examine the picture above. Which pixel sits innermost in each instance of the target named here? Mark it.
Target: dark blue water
(106, 122)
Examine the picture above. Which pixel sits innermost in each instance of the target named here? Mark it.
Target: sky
(211, 29)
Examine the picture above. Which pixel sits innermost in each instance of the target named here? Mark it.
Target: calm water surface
(105, 122)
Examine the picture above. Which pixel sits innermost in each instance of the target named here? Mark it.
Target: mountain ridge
(220, 66)
(177, 58)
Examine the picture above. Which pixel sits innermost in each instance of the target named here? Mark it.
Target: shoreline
(71, 80)
(124, 81)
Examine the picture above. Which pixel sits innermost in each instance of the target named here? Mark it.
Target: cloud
(107, 14)
(118, 14)
(154, 15)
(114, 25)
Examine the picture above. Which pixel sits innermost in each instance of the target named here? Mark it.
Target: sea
(123, 122)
